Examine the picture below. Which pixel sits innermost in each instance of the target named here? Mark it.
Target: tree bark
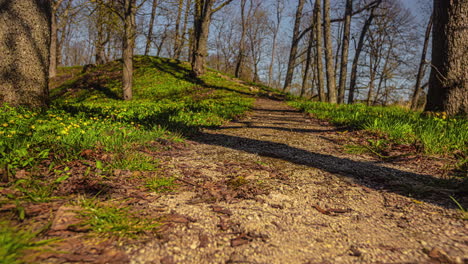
(308, 61)
(240, 55)
(25, 31)
(294, 44)
(365, 28)
(318, 57)
(127, 48)
(53, 44)
(177, 30)
(331, 84)
(201, 29)
(184, 29)
(151, 26)
(345, 51)
(417, 87)
(448, 83)
(202, 19)
(279, 10)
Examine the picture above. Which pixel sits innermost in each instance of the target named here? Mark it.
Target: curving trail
(277, 187)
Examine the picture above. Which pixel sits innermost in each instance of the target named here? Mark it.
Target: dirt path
(277, 187)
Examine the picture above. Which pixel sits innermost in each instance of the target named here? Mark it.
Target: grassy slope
(90, 140)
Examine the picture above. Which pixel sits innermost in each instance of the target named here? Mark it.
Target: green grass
(435, 134)
(14, 241)
(87, 112)
(109, 219)
(161, 184)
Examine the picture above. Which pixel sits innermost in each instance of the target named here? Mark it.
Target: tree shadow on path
(419, 186)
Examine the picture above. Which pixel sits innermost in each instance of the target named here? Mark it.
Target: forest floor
(278, 187)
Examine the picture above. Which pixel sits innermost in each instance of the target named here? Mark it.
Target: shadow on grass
(419, 186)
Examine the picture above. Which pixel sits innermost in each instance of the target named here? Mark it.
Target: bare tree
(422, 63)
(331, 84)
(345, 51)
(318, 57)
(365, 28)
(279, 7)
(149, 36)
(294, 46)
(204, 9)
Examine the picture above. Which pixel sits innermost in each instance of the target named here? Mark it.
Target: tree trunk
(240, 55)
(417, 87)
(177, 30)
(151, 26)
(102, 36)
(128, 45)
(448, 84)
(184, 29)
(383, 75)
(308, 60)
(365, 28)
(345, 51)
(319, 62)
(294, 44)
(201, 29)
(24, 47)
(331, 83)
(279, 10)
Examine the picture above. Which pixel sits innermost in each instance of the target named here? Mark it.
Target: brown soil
(278, 187)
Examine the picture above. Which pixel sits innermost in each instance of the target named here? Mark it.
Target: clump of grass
(161, 184)
(14, 242)
(437, 134)
(135, 161)
(111, 219)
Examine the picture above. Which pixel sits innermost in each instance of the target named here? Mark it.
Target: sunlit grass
(436, 133)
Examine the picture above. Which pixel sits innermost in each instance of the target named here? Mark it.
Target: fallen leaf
(221, 210)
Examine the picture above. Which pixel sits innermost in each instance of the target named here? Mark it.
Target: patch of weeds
(355, 149)
(111, 219)
(135, 161)
(14, 242)
(36, 190)
(464, 212)
(237, 182)
(161, 184)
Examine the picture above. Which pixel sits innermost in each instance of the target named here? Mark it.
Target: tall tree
(331, 84)
(184, 29)
(448, 85)
(177, 37)
(24, 46)
(128, 17)
(126, 11)
(279, 7)
(357, 53)
(345, 51)
(308, 60)
(149, 36)
(204, 10)
(53, 38)
(240, 54)
(422, 63)
(318, 57)
(294, 46)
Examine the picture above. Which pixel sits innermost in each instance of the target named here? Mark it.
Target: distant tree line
(337, 51)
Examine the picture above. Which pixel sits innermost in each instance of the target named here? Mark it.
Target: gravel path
(277, 187)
